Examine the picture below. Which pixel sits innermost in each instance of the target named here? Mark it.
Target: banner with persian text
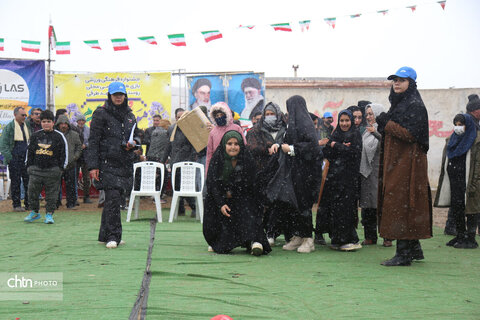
(148, 94)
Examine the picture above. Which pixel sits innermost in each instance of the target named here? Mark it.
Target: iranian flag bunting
(384, 12)
(150, 40)
(413, 8)
(282, 27)
(355, 15)
(93, 44)
(442, 4)
(247, 26)
(120, 44)
(63, 47)
(177, 39)
(31, 46)
(211, 35)
(331, 22)
(2, 46)
(305, 25)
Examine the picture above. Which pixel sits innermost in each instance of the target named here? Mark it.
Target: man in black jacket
(110, 158)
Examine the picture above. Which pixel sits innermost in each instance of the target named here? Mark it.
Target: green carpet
(190, 283)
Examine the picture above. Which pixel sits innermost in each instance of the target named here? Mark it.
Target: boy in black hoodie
(46, 159)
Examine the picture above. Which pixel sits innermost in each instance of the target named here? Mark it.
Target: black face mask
(221, 121)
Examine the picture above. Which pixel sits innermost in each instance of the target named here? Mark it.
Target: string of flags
(178, 39)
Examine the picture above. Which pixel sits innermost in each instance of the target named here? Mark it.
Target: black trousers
(18, 173)
(111, 224)
(369, 222)
(289, 220)
(70, 177)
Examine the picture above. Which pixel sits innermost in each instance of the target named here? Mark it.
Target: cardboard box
(194, 126)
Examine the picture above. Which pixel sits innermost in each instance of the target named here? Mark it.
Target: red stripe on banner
(63, 51)
(31, 50)
(282, 29)
(1, 49)
(120, 48)
(179, 44)
(210, 38)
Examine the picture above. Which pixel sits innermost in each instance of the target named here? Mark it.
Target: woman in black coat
(296, 182)
(110, 158)
(264, 140)
(233, 214)
(339, 197)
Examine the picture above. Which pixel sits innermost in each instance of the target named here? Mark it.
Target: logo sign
(31, 286)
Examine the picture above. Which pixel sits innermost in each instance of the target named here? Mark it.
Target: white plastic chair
(148, 172)
(5, 184)
(188, 181)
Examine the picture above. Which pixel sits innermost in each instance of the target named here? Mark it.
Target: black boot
(416, 250)
(402, 256)
(319, 239)
(467, 242)
(452, 242)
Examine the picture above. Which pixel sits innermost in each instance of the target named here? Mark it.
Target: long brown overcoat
(404, 192)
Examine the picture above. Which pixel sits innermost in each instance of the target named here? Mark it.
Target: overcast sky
(442, 45)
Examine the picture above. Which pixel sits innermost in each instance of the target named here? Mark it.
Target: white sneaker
(293, 244)
(257, 249)
(307, 246)
(111, 244)
(271, 241)
(121, 243)
(350, 247)
(210, 249)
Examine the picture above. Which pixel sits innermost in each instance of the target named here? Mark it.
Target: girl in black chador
(233, 213)
(340, 195)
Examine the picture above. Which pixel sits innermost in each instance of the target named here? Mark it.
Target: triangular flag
(304, 25)
(282, 27)
(211, 35)
(177, 39)
(442, 4)
(384, 12)
(150, 40)
(31, 46)
(355, 15)
(120, 44)
(413, 8)
(52, 36)
(63, 47)
(2, 46)
(248, 26)
(93, 44)
(330, 22)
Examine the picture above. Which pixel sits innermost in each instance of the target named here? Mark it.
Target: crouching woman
(233, 214)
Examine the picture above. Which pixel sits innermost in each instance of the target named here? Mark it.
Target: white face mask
(271, 119)
(459, 130)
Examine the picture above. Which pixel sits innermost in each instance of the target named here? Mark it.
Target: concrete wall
(442, 106)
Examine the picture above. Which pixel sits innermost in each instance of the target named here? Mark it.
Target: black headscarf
(408, 110)
(300, 125)
(280, 119)
(340, 136)
(119, 112)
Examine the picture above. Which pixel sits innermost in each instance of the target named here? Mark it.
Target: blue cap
(116, 87)
(328, 114)
(404, 72)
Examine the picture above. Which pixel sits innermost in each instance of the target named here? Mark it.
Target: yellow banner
(148, 94)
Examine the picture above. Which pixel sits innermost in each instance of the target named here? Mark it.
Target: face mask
(221, 121)
(271, 120)
(459, 130)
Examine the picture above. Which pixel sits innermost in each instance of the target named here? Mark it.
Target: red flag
(413, 8)
(442, 4)
(52, 37)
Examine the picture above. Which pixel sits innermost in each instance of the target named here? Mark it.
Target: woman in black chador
(233, 213)
(339, 197)
(295, 184)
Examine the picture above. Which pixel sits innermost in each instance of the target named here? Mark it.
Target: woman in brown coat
(404, 202)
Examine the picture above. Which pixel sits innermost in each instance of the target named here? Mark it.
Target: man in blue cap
(325, 127)
(110, 158)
